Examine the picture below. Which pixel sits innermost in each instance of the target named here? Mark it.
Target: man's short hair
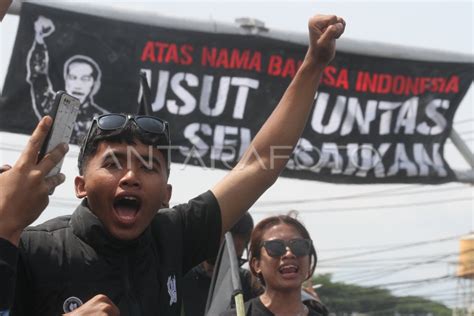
(243, 227)
(129, 135)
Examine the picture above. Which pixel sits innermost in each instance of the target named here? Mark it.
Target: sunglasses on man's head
(150, 124)
(116, 122)
(277, 247)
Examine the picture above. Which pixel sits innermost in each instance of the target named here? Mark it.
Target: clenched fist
(43, 28)
(323, 32)
(99, 305)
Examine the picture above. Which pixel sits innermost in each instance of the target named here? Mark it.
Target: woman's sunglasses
(277, 247)
(116, 122)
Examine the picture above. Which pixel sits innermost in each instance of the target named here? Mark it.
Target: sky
(411, 231)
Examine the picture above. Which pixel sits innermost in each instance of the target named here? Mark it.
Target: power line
(341, 197)
(416, 282)
(383, 264)
(368, 195)
(417, 257)
(350, 268)
(417, 287)
(442, 292)
(373, 274)
(464, 121)
(404, 246)
(388, 272)
(372, 207)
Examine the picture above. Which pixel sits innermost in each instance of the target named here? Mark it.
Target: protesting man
(116, 253)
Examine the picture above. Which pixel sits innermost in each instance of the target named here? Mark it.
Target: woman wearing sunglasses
(282, 257)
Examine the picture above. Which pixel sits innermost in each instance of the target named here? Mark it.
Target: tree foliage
(345, 299)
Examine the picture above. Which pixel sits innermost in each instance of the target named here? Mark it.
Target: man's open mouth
(126, 208)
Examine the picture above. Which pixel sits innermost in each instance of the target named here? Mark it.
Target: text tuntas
(349, 115)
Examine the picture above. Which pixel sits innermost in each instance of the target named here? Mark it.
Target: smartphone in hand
(65, 110)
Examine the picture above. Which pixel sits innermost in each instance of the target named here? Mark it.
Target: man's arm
(23, 196)
(269, 151)
(37, 61)
(24, 187)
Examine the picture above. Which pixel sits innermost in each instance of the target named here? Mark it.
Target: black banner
(375, 120)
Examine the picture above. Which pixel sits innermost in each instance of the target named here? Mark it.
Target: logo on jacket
(71, 304)
(172, 289)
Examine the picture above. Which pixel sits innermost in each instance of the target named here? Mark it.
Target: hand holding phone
(65, 110)
(24, 186)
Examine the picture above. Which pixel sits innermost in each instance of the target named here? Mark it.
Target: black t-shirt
(255, 307)
(68, 260)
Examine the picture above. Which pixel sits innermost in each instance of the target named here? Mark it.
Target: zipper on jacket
(134, 305)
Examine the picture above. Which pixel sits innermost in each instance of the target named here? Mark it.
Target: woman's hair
(256, 239)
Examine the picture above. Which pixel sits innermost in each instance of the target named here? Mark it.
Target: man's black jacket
(71, 259)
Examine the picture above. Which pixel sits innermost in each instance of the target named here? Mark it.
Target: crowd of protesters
(116, 253)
